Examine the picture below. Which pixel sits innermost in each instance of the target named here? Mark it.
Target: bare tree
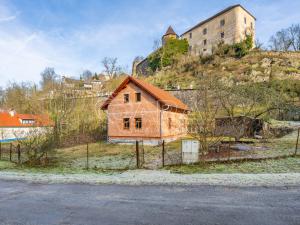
(294, 34)
(286, 39)
(202, 119)
(86, 75)
(258, 44)
(49, 78)
(156, 44)
(111, 67)
(37, 144)
(2, 96)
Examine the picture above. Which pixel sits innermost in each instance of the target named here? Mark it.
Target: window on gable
(138, 97)
(205, 42)
(191, 35)
(28, 121)
(126, 123)
(204, 31)
(170, 123)
(222, 23)
(251, 25)
(126, 98)
(245, 20)
(138, 123)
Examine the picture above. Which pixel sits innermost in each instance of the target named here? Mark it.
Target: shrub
(168, 54)
(237, 50)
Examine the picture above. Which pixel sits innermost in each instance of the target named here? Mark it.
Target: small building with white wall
(15, 126)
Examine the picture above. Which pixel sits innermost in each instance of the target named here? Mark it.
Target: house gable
(160, 95)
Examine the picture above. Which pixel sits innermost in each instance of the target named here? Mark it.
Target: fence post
(87, 156)
(229, 145)
(137, 154)
(163, 153)
(19, 153)
(10, 151)
(297, 142)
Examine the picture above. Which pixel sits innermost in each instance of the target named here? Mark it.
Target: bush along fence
(124, 156)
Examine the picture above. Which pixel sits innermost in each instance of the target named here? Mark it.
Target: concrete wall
(11, 133)
(234, 31)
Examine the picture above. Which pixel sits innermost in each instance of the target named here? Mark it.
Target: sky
(75, 35)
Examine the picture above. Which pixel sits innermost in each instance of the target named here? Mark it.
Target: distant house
(14, 126)
(140, 111)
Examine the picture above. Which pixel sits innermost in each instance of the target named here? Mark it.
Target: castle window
(222, 23)
(138, 97)
(138, 123)
(222, 35)
(204, 49)
(251, 25)
(191, 35)
(204, 31)
(205, 42)
(245, 20)
(126, 98)
(126, 123)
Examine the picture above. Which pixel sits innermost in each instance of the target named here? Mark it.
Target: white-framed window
(126, 123)
(138, 123)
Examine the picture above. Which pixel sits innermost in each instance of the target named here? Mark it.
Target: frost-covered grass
(286, 165)
(110, 158)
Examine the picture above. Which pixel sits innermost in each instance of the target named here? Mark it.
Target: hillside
(257, 66)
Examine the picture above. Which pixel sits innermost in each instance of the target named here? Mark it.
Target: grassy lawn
(115, 158)
(287, 165)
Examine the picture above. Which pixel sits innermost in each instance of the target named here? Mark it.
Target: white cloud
(8, 18)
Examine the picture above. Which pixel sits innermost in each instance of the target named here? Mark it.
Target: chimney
(12, 112)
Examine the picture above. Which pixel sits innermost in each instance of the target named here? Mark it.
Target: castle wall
(233, 30)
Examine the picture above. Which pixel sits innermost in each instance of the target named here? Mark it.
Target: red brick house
(140, 111)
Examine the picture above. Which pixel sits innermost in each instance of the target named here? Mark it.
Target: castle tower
(170, 34)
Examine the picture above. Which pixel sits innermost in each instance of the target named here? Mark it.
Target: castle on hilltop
(229, 26)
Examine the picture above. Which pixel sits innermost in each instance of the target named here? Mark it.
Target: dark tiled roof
(170, 31)
(216, 15)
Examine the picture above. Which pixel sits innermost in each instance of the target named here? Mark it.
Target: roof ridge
(216, 15)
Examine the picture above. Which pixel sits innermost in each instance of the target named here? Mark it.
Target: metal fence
(11, 152)
(123, 156)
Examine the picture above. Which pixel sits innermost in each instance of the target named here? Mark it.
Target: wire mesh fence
(132, 155)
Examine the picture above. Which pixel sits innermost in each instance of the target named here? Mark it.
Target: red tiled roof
(7, 120)
(159, 94)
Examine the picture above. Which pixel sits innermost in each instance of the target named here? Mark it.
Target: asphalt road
(39, 204)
